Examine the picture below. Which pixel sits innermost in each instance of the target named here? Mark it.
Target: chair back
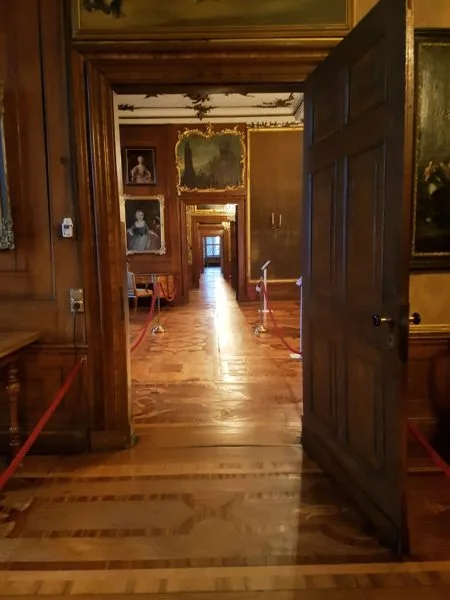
(131, 282)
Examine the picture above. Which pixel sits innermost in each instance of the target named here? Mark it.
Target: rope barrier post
(261, 288)
(300, 285)
(156, 286)
(298, 355)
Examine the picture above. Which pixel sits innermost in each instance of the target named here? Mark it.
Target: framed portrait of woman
(144, 219)
(140, 166)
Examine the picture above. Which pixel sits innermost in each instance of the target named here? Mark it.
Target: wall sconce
(230, 210)
(275, 223)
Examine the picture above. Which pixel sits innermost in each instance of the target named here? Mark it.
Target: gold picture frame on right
(430, 249)
(6, 223)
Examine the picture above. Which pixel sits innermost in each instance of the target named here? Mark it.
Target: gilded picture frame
(430, 240)
(145, 224)
(140, 166)
(210, 19)
(210, 160)
(6, 221)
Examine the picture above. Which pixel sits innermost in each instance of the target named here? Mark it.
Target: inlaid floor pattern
(216, 498)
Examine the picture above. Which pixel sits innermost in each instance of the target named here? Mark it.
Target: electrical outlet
(76, 300)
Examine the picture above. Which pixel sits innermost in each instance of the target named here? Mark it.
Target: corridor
(216, 499)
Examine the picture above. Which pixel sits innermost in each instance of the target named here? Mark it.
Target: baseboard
(110, 440)
(52, 442)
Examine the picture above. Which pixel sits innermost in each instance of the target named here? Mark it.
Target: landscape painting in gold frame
(214, 19)
(210, 160)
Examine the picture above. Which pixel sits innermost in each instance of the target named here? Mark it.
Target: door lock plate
(76, 300)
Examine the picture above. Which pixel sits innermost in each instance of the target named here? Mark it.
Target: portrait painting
(431, 214)
(219, 18)
(6, 225)
(140, 166)
(144, 218)
(210, 160)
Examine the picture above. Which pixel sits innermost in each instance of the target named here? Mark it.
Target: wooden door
(358, 158)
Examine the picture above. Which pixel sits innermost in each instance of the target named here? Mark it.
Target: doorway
(105, 261)
(215, 239)
(213, 249)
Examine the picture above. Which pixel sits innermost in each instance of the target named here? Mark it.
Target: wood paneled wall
(35, 278)
(429, 387)
(276, 186)
(275, 183)
(163, 138)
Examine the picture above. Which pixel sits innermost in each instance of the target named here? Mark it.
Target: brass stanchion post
(261, 288)
(261, 328)
(158, 328)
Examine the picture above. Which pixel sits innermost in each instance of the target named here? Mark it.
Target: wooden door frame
(241, 292)
(97, 70)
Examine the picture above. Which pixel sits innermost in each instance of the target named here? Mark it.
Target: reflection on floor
(216, 497)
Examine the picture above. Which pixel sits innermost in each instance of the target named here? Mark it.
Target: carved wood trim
(88, 248)
(111, 252)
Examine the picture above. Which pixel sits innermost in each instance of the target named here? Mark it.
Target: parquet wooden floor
(216, 500)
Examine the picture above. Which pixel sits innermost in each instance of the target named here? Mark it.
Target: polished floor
(216, 500)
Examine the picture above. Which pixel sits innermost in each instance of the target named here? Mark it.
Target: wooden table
(12, 343)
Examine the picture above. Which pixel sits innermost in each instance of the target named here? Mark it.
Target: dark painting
(219, 18)
(210, 161)
(6, 225)
(211, 13)
(431, 223)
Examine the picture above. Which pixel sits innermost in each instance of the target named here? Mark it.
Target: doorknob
(378, 320)
(415, 319)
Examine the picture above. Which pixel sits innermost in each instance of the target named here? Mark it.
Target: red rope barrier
(149, 319)
(277, 330)
(438, 461)
(9, 472)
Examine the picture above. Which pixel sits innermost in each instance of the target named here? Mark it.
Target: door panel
(358, 144)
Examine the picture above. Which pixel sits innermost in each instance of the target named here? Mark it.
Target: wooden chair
(134, 293)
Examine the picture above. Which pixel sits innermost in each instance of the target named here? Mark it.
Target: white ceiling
(273, 108)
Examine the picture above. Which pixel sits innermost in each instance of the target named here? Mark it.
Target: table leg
(12, 391)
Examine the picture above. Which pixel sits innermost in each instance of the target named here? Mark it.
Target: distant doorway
(215, 237)
(213, 251)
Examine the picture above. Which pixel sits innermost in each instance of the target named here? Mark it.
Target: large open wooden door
(358, 155)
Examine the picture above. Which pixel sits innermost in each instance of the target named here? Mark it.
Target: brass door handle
(378, 320)
(415, 319)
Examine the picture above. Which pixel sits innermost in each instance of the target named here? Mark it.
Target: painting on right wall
(431, 211)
